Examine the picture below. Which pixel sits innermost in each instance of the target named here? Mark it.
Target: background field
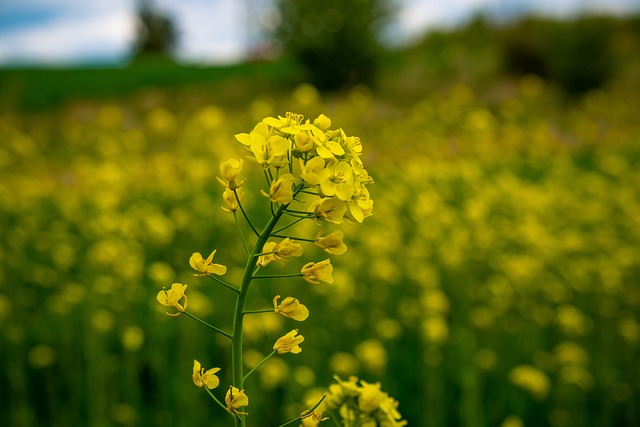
(497, 282)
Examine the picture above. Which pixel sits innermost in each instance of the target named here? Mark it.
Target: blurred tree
(337, 42)
(156, 33)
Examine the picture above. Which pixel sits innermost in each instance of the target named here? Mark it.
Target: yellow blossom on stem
(311, 171)
(291, 308)
(236, 399)
(283, 250)
(281, 190)
(370, 396)
(203, 378)
(172, 297)
(289, 343)
(316, 272)
(231, 201)
(332, 243)
(206, 267)
(230, 171)
(322, 122)
(328, 209)
(312, 419)
(303, 142)
(337, 180)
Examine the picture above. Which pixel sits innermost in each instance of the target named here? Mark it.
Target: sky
(63, 32)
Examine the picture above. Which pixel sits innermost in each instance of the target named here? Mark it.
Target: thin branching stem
(218, 330)
(215, 399)
(287, 226)
(246, 217)
(244, 243)
(258, 365)
(225, 284)
(277, 276)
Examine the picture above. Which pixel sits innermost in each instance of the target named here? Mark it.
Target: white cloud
(104, 30)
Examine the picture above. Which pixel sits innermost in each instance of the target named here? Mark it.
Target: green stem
(246, 217)
(226, 285)
(216, 399)
(302, 239)
(258, 365)
(278, 276)
(244, 244)
(249, 270)
(288, 225)
(220, 331)
(264, 310)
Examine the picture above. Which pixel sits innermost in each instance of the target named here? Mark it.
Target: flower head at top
(206, 267)
(172, 297)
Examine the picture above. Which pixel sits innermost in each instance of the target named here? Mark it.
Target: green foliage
(336, 42)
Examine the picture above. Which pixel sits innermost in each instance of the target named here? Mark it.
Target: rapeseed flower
(291, 308)
(172, 297)
(289, 343)
(283, 250)
(206, 267)
(328, 209)
(236, 399)
(231, 201)
(332, 243)
(281, 190)
(314, 272)
(230, 171)
(370, 396)
(205, 378)
(337, 180)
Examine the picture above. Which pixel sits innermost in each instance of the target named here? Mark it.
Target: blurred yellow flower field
(497, 282)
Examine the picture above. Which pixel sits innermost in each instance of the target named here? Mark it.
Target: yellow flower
(281, 190)
(283, 250)
(370, 396)
(172, 297)
(236, 399)
(205, 378)
(230, 200)
(314, 272)
(266, 148)
(206, 266)
(291, 308)
(322, 122)
(337, 180)
(268, 254)
(328, 209)
(312, 419)
(230, 171)
(304, 142)
(289, 343)
(287, 248)
(332, 243)
(311, 170)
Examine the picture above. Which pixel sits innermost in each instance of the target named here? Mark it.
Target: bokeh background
(496, 284)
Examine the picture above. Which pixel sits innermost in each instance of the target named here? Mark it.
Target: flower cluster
(363, 403)
(309, 154)
(312, 173)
